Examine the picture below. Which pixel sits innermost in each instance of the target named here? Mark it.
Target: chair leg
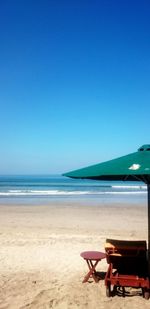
(123, 291)
(108, 290)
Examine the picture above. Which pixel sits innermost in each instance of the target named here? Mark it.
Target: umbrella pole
(148, 189)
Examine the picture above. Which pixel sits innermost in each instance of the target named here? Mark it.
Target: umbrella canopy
(132, 167)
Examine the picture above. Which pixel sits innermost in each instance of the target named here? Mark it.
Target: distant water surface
(41, 189)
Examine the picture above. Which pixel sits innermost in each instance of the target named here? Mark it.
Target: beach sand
(40, 246)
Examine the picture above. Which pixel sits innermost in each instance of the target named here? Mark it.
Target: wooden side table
(92, 258)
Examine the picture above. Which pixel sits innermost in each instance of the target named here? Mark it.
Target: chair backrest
(125, 247)
(126, 255)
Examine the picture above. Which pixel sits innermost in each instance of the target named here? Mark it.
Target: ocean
(44, 189)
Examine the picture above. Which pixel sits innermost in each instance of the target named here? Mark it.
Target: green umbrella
(132, 167)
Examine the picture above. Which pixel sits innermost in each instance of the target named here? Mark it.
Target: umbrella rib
(144, 179)
(140, 178)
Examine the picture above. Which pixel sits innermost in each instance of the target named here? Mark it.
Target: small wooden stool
(89, 257)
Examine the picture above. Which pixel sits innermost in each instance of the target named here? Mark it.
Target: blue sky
(74, 83)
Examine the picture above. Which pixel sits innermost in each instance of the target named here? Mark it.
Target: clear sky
(74, 83)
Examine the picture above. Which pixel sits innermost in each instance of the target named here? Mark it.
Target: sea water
(46, 188)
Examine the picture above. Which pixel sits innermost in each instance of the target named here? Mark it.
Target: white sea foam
(64, 193)
(41, 193)
(130, 187)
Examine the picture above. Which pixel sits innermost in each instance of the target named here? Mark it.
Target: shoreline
(128, 199)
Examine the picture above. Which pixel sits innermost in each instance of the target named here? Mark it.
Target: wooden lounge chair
(127, 265)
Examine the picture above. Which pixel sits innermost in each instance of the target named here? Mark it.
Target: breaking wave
(45, 193)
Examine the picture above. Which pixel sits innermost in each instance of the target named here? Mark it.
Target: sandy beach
(40, 246)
